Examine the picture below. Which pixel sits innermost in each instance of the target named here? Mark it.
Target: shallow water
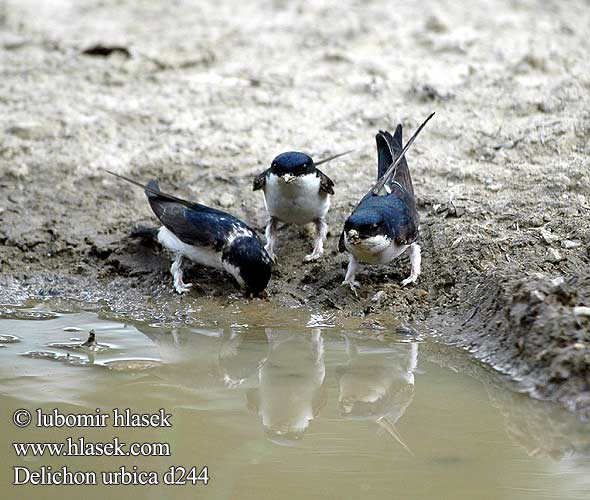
(308, 411)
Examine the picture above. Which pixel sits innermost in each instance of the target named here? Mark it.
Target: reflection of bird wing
(351, 347)
(236, 364)
(413, 358)
(320, 397)
(390, 428)
(277, 337)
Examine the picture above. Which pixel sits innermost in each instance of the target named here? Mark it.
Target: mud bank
(203, 97)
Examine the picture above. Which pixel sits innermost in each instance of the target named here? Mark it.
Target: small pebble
(567, 244)
(557, 281)
(548, 236)
(553, 255)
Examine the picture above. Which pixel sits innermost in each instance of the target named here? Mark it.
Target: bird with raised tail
(207, 236)
(385, 223)
(296, 192)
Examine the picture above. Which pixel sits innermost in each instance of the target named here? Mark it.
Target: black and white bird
(208, 237)
(296, 192)
(385, 223)
(377, 384)
(291, 385)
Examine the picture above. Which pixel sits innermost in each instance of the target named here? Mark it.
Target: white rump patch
(206, 256)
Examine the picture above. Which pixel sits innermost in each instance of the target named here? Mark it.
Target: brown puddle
(279, 409)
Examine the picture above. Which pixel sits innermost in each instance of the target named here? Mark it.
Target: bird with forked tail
(207, 236)
(385, 223)
(296, 192)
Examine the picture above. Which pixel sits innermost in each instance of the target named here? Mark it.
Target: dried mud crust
(501, 173)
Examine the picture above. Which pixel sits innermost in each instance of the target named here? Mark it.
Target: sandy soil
(206, 94)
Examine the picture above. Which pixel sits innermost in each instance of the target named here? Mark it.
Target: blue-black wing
(398, 210)
(192, 223)
(326, 184)
(405, 220)
(260, 180)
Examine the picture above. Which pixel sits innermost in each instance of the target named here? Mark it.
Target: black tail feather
(388, 148)
(397, 136)
(402, 172)
(152, 190)
(384, 158)
(404, 177)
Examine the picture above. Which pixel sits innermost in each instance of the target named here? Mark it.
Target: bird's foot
(313, 256)
(410, 279)
(415, 260)
(353, 285)
(182, 287)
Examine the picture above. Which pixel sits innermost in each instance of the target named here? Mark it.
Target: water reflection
(377, 384)
(285, 377)
(266, 387)
(238, 360)
(538, 427)
(290, 392)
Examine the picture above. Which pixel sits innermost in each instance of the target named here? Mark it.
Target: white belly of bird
(297, 202)
(375, 250)
(205, 256)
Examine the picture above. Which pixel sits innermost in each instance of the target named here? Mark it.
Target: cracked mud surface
(203, 97)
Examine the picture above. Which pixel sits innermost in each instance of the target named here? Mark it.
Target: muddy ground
(203, 95)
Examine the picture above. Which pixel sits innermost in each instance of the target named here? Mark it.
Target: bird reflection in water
(290, 392)
(377, 384)
(240, 357)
